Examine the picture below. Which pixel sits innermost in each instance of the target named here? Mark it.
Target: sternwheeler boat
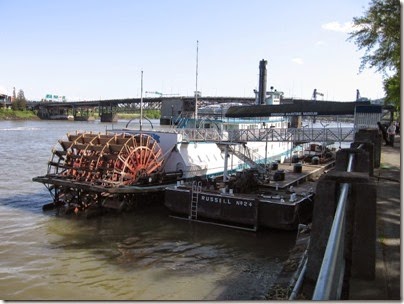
(117, 169)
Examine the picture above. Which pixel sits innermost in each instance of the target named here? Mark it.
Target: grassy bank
(151, 114)
(7, 114)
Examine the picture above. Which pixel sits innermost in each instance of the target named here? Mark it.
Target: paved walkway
(387, 285)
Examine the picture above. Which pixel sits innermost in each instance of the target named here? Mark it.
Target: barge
(280, 199)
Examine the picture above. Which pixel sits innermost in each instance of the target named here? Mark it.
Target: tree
(20, 103)
(378, 32)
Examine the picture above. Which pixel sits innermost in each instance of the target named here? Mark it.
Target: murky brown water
(145, 255)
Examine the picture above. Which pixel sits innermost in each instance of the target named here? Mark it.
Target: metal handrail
(330, 278)
(295, 135)
(280, 134)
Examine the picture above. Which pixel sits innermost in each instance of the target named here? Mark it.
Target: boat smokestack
(262, 85)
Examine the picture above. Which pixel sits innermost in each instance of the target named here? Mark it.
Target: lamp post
(172, 115)
(325, 137)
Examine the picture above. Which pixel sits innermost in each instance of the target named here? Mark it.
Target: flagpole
(196, 83)
(141, 100)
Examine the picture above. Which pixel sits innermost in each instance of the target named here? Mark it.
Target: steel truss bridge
(134, 103)
(108, 108)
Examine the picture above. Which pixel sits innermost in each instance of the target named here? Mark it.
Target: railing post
(370, 149)
(371, 136)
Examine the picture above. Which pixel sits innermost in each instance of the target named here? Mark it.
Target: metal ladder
(196, 189)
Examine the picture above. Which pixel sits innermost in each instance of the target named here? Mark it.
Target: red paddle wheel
(108, 160)
(90, 170)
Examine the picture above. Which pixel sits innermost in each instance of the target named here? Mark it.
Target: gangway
(293, 135)
(248, 156)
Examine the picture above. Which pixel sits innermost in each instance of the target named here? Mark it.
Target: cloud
(338, 27)
(297, 60)
(320, 42)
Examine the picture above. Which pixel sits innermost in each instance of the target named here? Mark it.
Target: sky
(96, 49)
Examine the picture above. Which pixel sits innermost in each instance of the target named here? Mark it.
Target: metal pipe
(350, 162)
(299, 281)
(328, 273)
(329, 282)
(226, 153)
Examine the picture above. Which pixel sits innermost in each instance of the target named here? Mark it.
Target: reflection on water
(145, 255)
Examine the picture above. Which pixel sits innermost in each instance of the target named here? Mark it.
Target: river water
(144, 255)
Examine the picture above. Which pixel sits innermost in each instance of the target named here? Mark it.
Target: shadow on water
(150, 241)
(27, 202)
(142, 255)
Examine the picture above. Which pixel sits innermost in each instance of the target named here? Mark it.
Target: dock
(373, 269)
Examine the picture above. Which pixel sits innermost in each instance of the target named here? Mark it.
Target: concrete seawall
(385, 285)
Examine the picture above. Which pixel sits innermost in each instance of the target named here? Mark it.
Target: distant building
(272, 97)
(5, 101)
(379, 101)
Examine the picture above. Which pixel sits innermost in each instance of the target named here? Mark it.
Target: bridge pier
(108, 117)
(107, 113)
(82, 114)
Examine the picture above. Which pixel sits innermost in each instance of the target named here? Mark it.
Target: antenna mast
(141, 100)
(196, 83)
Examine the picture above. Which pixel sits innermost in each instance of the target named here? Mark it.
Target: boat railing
(337, 134)
(195, 134)
(295, 135)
